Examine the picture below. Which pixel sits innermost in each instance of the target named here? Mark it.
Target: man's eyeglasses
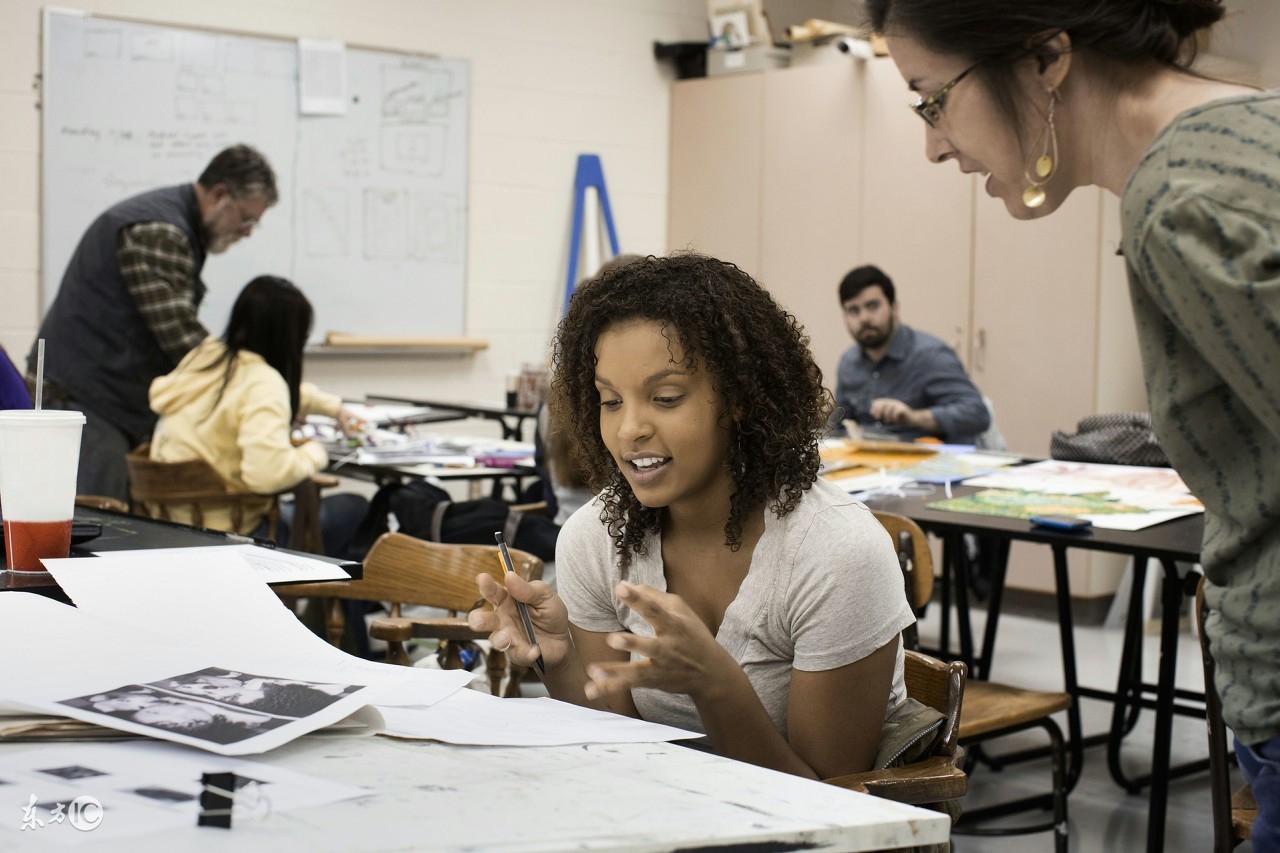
(929, 107)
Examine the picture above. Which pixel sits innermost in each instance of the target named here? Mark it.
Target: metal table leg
(1066, 637)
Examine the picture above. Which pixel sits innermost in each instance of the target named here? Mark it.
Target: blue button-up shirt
(922, 372)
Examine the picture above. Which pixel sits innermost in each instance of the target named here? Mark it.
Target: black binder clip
(217, 796)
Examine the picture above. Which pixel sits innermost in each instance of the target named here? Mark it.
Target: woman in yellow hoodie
(232, 402)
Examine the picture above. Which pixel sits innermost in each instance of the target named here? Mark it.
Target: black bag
(429, 512)
(1122, 438)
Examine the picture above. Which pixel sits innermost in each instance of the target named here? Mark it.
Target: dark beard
(879, 340)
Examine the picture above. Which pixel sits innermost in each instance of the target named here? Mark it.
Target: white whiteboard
(371, 221)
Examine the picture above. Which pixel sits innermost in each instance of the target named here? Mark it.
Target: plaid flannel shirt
(159, 272)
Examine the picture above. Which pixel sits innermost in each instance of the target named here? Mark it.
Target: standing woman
(714, 583)
(232, 402)
(1045, 96)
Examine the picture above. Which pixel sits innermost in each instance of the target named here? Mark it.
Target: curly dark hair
(759, 360)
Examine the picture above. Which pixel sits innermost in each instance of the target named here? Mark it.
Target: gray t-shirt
(824, 590)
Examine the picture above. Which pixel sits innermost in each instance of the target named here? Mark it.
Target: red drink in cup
(39, 459)
(27, 542)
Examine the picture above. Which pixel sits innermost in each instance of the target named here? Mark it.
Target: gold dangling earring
(1034, 195)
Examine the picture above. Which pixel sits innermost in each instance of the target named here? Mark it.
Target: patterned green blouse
(1201, 219)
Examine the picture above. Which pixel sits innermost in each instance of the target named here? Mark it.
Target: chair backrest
(403, 569)
(914, 556)
(938, 779)
(940, 686)
(929, 681)
(157, 489)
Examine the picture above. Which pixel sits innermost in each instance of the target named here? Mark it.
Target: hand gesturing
(682, 656)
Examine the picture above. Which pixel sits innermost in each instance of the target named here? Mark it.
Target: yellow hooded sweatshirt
(244, 436)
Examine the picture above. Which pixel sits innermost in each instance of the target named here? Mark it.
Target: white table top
(630, 797)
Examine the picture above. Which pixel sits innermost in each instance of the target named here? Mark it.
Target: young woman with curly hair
(714, 584)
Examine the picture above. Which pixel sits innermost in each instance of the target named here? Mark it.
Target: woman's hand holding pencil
(506, 628)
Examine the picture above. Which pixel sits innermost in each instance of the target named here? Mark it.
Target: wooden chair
(158, 488)
(402, 570)
(938, 779)
(990, 709)
(1233, 814)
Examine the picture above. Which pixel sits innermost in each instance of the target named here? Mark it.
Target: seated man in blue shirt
(899, 380)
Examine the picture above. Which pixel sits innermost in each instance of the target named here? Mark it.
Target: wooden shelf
(341, 344)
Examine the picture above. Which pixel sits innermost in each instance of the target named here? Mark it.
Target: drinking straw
(39, 372)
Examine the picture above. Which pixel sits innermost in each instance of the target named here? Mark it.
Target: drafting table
(632, 797)
(1169, 543)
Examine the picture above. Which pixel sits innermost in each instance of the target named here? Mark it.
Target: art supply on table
(520, 606)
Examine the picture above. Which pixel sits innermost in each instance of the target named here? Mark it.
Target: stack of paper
(192, 648)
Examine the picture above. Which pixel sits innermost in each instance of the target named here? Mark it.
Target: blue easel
(589, 174)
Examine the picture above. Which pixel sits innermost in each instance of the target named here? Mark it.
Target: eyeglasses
(929, 107)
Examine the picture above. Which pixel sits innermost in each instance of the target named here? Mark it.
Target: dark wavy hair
(994, 34)
(759, 361)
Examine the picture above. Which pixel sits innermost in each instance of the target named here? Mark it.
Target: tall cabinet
(799, 174)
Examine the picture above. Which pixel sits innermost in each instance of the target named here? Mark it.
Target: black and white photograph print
(74, 771)
(184, 715)
(279, 697)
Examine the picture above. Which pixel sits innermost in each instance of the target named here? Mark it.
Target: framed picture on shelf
(730, 28)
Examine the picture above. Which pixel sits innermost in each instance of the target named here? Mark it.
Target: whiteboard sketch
(371, 222)
(327, 222)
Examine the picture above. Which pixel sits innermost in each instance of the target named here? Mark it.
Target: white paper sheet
(270, 565)
(155, 685)
(1159, 492)
(879, 481)
(471, 717)
(141, 787)
(1073, 478)
(322, 77)
(238, 615)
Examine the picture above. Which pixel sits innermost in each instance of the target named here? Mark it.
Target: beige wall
(549, 80)
(1244, 44)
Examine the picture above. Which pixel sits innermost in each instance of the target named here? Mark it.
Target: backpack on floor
(429, 512)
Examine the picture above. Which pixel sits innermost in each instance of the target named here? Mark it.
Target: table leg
(1066, 637)
(949, 573)
(995, 557)
(1171, 600)
(960, 576)
(1129, 691)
